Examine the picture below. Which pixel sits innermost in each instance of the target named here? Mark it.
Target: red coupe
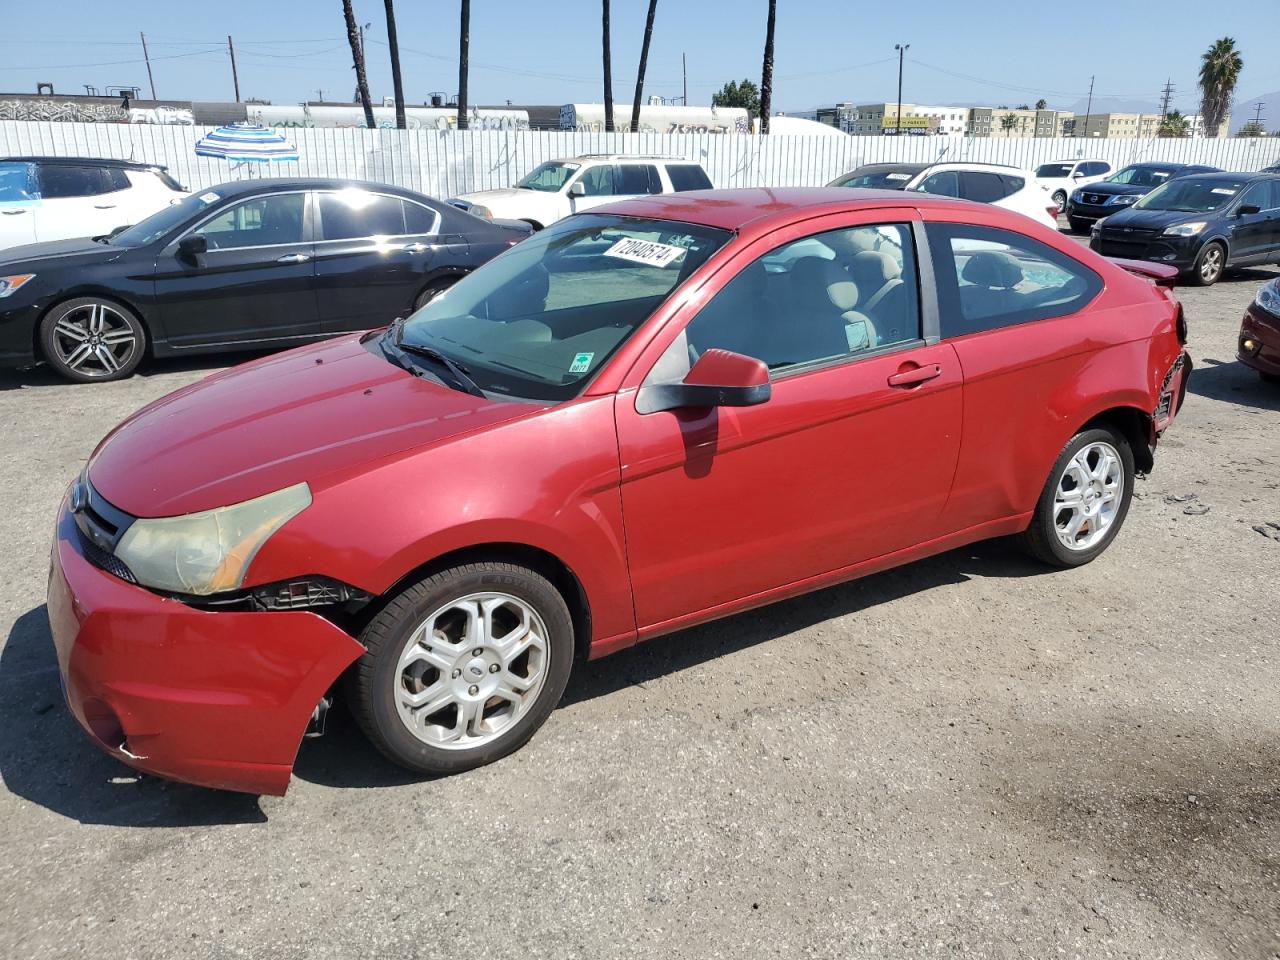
(665, 411)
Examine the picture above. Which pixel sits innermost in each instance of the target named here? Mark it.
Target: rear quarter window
(64, 180)
(688, 176)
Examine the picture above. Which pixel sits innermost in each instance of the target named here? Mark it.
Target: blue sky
(548, 51)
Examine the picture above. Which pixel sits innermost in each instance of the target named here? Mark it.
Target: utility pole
(147, 57)
(1165, 98)
(234, 78)
(684, 71)
(902, 52)
(1088, 110)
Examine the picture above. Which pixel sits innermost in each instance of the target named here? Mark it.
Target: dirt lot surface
(968, 756)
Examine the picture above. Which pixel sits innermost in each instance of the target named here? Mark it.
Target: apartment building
(875, 119)
(1005, 122)
(1138, 125)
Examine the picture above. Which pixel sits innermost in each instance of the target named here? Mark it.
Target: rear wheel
(433, 290)
(90, 339)
(1084, 501)
(1078, 225)
(1060, 198)
(463, 667)
(1209, 265)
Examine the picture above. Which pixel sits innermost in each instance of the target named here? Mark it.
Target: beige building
(1007, 123)
(1129, 126)
(874, 119)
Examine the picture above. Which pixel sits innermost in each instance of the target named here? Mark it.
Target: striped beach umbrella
(246, 143)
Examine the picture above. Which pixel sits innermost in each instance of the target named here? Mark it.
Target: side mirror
(191, 246)
(577, 189)
(1247, 209)
(720, 378)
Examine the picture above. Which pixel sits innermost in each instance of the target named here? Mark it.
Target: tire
(1060, 199)
(1042, 538)
(1209, 265)
(1079, 226)
(92, 340)
(433, 290)
(468, 729)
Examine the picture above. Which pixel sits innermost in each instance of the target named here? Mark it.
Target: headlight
(1122, 199)
(1268, 298)
(209, 552)
(1185, 229)
(10, 285)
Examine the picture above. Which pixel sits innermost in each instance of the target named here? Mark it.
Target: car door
(374, 254)
(78, 200)
(254, 282)
(852, 456)
(19, 197)
(1250, 234)
(1273, 219)
(608, 182)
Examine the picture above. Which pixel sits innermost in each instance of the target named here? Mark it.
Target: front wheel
(1209, 265)
(462, 668)
(1084, 501)
(89, 339)
(1060, 199)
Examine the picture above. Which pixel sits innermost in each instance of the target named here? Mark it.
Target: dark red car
(1259, 345)
(659, 413)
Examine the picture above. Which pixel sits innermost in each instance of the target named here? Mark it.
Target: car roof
(917, 167)
(244, 188)
(87, 161)
(615, 157)
(1224, 176)
(975, 165)
(735, 209)
(1043, 163)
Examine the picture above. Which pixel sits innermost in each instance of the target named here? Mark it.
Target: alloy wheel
(1088, 495)
(1211, 264)
(94, 340)
(471, 670)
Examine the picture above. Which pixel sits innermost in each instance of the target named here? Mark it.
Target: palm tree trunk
(395, 63)
(464, 61)
(644, 63)
(608, 71)
(357, 57)
(766, 79)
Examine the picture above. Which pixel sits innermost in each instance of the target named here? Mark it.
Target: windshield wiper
(459, 374)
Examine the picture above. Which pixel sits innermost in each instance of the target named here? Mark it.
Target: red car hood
(301, 415)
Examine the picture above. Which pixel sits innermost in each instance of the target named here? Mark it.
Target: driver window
(598, 181)
(260, 221)
(944, 184)
(833, 295)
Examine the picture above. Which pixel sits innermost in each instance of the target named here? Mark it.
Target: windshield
(1142, 176)
(163, 220)
(884, 179)
(1054, 171)
(1191, 195)
(540, 320)
(549, 177)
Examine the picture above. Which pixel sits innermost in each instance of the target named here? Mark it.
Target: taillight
(1052, 211)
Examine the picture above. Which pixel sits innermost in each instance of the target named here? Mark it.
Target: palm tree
(464, 61)
(1220, 68)
(608, 71)
(1042, 104)
(357, 58)
(1173, 125)
(644, 62)
(394, 45)
(766, 79)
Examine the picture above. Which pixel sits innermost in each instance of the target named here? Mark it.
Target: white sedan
(1060, 177)
(999, 185)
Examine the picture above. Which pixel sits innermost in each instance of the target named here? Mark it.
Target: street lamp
(902, 49)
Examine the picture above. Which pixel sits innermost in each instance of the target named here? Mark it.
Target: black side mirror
(191, 246)
(1246, 209)
(720, 378)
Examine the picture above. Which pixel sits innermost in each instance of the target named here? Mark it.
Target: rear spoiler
(1161, 274)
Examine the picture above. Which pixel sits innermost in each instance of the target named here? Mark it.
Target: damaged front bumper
(216, 698)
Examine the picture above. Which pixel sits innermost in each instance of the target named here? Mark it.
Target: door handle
(915, 376)
(104, 206)
(416, 247)
(294, 258)
(13, 213)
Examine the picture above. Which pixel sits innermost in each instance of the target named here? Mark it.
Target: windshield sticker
(210, 197)
(897, 176)
(1224, 191)
(581, 362)
(647, 252)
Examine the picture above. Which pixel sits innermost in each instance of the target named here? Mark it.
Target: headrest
(874, 268)
(814, 277)
(992, 268)
(844, 294)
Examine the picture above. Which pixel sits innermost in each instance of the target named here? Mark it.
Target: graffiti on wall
(64, 110)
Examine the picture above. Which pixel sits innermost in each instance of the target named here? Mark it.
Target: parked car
(992, 183)
(880, 176)
(1199, 224)
(560, 187)
(1086, 206)
(655, 414)
(54, 198)
(1259, 345)
(1060, 177)
(246, 265)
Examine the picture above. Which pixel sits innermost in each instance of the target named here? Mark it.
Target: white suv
(1001, 186)
(558, 188)
(1060, 177)
(57, 198)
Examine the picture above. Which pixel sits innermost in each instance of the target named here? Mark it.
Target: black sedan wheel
(89, 339)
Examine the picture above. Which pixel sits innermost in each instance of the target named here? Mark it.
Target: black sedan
(247, 265)
(1200, 224)
(1091, 203)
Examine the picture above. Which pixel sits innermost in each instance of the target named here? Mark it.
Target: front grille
(105, 561)
(1097, 199)
(1122, 248)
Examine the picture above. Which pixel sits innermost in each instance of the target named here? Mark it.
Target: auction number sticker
(210, 197)
(1224, 191)
(581, 362)
(647, 252)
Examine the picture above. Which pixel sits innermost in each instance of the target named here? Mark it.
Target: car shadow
(1232, 382)
(47, 759)
(44, 376)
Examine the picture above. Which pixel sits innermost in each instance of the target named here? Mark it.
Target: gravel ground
(967, 756)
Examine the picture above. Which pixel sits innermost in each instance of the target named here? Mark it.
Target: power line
(113, 63)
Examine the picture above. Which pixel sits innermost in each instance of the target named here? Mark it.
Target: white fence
(444, 163)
